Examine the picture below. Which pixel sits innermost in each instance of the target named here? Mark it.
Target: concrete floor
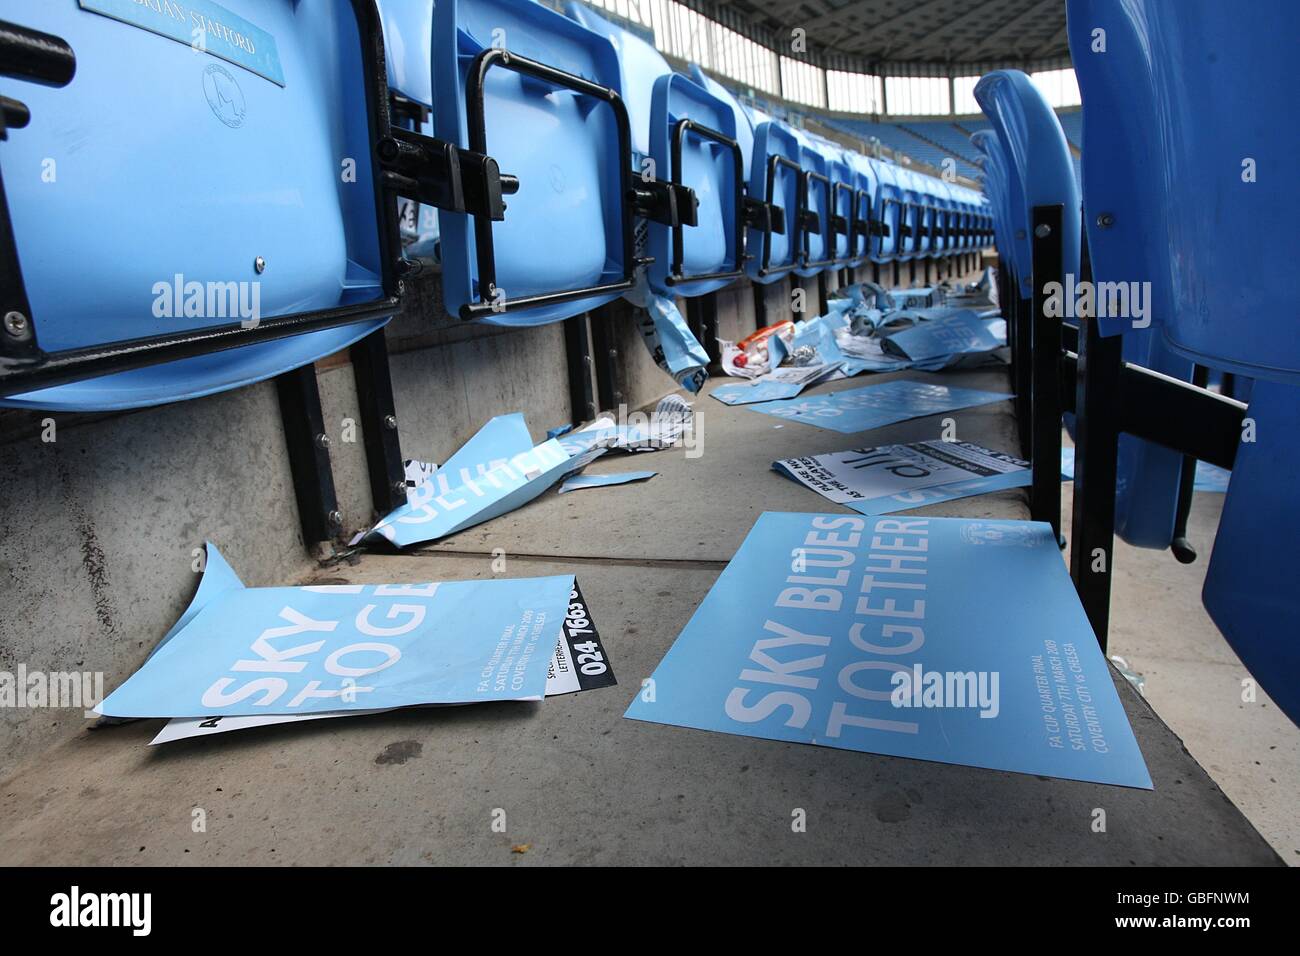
(578, 783)
(1193, 678)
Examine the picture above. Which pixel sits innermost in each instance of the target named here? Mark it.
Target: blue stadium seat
(775, 177)
(995, 188)
(1038, 161)
(946, 241)
(814, 208)
(865, 187)
(1177, 168)
(843, 183)
(1250, 585)
(918, 241)
(223, 287)
(744, 126)
(890, 212)
(538, 93)
(689, 135)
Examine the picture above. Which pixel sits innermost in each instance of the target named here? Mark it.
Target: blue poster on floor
(874, 406)
(945, 639)
(962, 333)
(303, 650)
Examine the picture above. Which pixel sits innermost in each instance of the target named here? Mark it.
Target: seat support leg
(309, 457)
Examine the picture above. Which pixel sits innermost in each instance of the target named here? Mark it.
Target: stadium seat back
(816, 201)
(864, 207)
(558, 130)
(1250, 585)
(685, 134)
(1038, 161)
(744, 125)
(775, 177)
(1178, 165)
(232, 204)
(890, 212)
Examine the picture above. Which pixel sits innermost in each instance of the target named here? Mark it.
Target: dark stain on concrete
(892, 807)
(400, 751)
(92, 555)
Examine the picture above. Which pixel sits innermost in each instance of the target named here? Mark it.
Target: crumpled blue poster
(874, 406)
(672, 345)
(496, 471)
(963, 333)
(911, 637)
(302, 650)
(785, 382)
(578, 663)
(578, 482)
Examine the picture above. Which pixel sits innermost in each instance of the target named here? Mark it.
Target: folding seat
(843, 183)
(1250, 584)
(1187, 189)
(922, 201)
(864, 225)
(1146, 508)
(408, 34)
(689, 137)
(890, 212)
(776, 180)
(946, 238)
(1040, 176)
(744, 125)
(814, 207)
(995, 188)
(912, 235)
(186, 214)
(1190, 163)
(539, 94)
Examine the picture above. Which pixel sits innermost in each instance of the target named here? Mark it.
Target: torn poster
(962, 333)
(915, 298)
(874, 406)
(877, 481)
(902, 636)
(297, 650)
(672, 345)
(785, 382)
(496, 471)
(578, 663)
(578, 482)
(670, 420)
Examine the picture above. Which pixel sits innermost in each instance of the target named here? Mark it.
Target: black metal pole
(1097, 408)
(1045, 359)
(379, 421)
(605, 355)
(309, 457)
(577, 348)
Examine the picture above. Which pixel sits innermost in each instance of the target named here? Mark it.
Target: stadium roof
(915, 31)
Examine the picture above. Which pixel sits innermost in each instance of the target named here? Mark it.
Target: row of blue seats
(158, 249)
(902, 138)
(1176, 207)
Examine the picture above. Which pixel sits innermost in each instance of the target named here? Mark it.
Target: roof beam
(909, 50)
(1013, 24)
(1052, 43)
